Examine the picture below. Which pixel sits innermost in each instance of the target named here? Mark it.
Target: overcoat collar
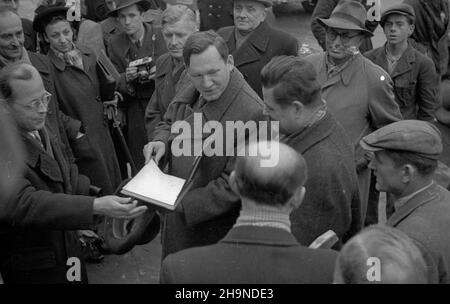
(420, 199)
(214, 110)
(252, 48)
(260, 235)
(304, 140)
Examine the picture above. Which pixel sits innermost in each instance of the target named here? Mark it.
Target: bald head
(270, 185)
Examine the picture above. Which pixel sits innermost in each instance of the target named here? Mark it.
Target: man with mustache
(253, 42)
(178, 23)
(358, 92)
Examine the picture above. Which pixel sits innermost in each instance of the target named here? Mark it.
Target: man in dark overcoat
(218, 94)
(138, 40)
(416, 83)
(253, 43)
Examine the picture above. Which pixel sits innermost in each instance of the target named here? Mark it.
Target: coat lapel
(409, 207)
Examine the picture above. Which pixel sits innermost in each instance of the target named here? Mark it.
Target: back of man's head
(292, 79)
(270, 185)
(381, 254)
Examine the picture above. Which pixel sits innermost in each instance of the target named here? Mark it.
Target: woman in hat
(77, 87)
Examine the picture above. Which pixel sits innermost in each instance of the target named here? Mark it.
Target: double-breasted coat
(48, 202)
(416, 83)
(121, 52)
(332, 200)
(257, 50)
(210, 208)
(79, 97)
(361, 98)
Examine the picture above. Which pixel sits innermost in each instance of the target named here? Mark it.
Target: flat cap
(414, 136)
(400, 9)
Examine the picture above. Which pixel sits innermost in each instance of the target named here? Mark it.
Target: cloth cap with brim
(44, 13)
(400, 9)
(347, 15)
(120, 4)
(414, 136)
(266, 3)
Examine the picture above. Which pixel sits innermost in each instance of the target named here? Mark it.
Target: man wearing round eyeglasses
(358, 92)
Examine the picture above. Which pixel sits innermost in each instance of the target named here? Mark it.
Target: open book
(153, 186)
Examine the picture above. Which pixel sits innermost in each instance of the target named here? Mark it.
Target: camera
(144, 66)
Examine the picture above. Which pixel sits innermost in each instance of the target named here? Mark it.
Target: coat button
(220, 6)
(218, 15)
(211, 6)
(210, 14)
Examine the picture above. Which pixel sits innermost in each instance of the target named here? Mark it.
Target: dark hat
(120, 4)
(415, 136)
(348, 15)
(401, 9)
(266, 3)
(44, 13)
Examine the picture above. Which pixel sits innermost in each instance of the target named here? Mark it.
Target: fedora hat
(266, 3)
(44, 13)
(348, 15)
(120, 4)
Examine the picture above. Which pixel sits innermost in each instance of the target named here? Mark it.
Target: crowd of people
(86, 104)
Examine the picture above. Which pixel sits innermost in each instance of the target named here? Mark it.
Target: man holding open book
(219, 93)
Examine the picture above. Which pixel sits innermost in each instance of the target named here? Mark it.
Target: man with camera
(49, 199)
(139, 40)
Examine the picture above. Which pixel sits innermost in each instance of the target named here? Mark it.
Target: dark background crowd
(363, 134)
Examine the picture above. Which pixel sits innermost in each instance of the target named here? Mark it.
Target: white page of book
(153, 183)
